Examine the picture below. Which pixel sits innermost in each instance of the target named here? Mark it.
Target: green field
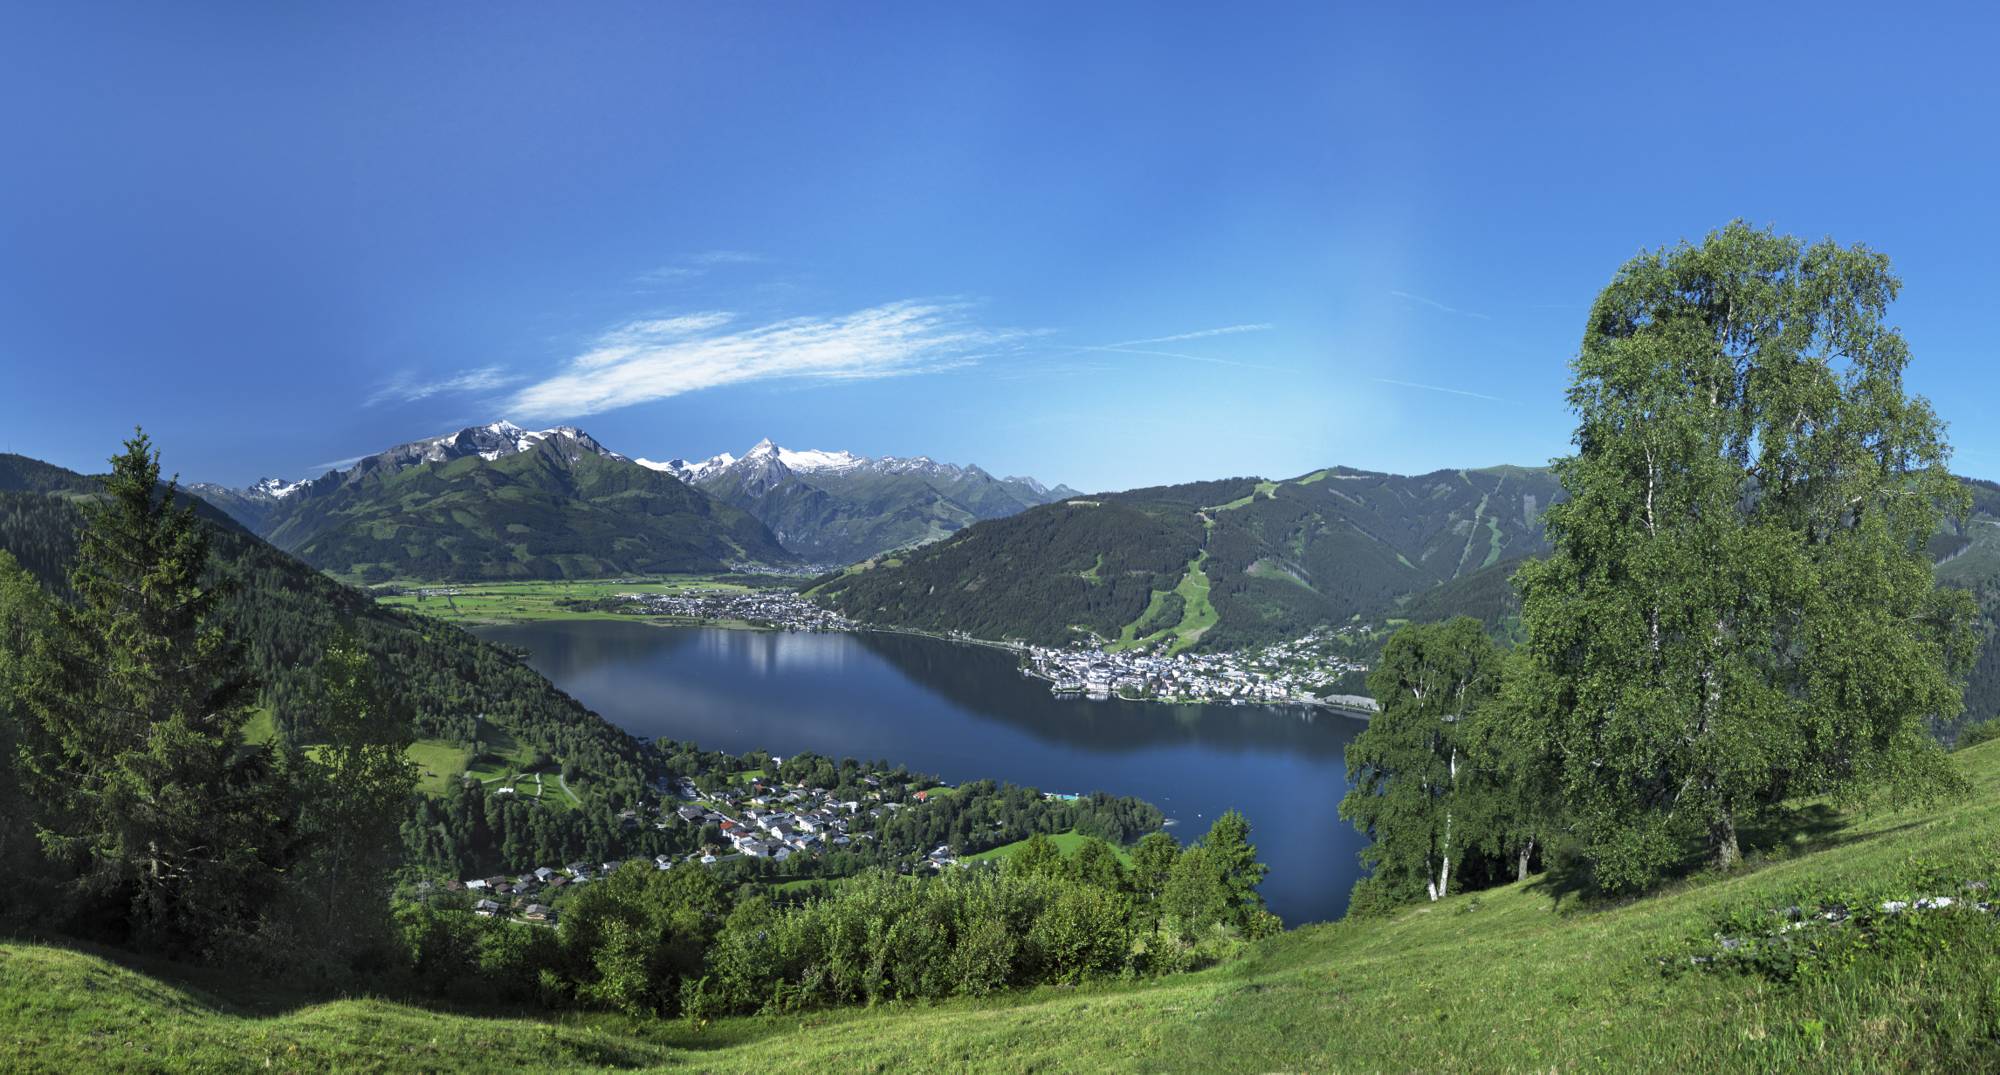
(440, 763)
(520, 602)
(1516, 978)
(262, 727)
(1066, 842)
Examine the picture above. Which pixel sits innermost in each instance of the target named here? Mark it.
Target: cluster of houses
(1300, 671)
(761, 818)
(776, 822)
(781, 609)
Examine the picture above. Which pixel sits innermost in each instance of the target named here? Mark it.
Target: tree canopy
(1409, 772)
(1739, 606)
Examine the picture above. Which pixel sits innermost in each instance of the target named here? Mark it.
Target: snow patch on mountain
(276, 488)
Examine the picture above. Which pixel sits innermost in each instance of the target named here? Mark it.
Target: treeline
(470, 832)
(1740, 607)
(647, 941)
(982, 814)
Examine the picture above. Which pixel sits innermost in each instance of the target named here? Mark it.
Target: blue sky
(1103, 244)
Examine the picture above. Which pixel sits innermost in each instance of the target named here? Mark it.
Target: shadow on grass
(1779, 834)
(194, 988)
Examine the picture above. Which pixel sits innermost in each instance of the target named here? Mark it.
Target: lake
(965, 712)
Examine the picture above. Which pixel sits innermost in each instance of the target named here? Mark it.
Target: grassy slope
(1067, 842)
(1510, 981)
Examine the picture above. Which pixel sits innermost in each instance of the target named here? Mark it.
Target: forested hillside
(1213, 565)
(549, 510)
(288, 613)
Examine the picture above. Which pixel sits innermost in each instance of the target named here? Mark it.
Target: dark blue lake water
(965, 713)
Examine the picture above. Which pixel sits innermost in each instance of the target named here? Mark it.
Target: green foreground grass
(1513, 978)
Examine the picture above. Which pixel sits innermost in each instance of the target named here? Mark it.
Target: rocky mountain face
(839, 507)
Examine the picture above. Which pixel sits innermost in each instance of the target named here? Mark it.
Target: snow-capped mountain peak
(690, 472)
(276, 488)
(818, 460)
(492, 441)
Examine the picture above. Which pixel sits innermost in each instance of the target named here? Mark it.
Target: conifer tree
(148, 790)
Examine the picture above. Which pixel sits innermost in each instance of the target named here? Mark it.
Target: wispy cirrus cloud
(337, 464)
(411, 387)
(1439, 306)
(1199, 334)
(1138, 347)
(726, 257)
(1440, 388)
(642, 361)
(695, 265)
(1205, 359)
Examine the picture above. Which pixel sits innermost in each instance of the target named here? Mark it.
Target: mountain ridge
(840, 507)
(1225, 564)
(499, 501)
(819, 506)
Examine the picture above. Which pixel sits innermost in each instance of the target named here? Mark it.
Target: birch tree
(1409, 777)
(1739, 606)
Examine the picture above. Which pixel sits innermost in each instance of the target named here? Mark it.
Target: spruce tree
(146, 786)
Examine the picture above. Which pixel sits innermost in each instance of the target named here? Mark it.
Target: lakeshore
(965, 713)
(1301, 672)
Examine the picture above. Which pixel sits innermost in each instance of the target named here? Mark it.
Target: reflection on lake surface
(966, 713)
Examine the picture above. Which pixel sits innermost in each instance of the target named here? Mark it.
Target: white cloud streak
(337, 464)
(1441, 388)
(1226, 330)
(656, 359)
(696, 265)
(1136, 347)
(1439, 306)
(1190, 358)
(726, 257)
(407, 388)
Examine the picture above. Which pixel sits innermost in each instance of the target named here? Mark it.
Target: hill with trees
(1209, 565)
(448, 684)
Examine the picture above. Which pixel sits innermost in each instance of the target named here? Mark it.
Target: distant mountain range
(1210, 565)
(496, 502)
(838, 507)
(500, 501)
